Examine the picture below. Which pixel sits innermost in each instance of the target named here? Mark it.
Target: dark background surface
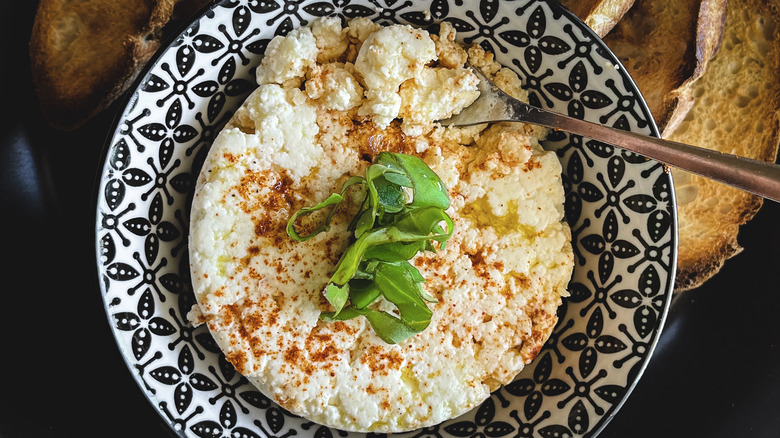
(715, 373)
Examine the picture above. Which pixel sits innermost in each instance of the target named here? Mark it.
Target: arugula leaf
(404, 290)
(337, 295)
(425, 221)
(402, 214)
(389, 328)
(332, 201)
(429, 190)
(345, 315)
(399, 179)
(391, 196)
(363, 293)
(395, 251)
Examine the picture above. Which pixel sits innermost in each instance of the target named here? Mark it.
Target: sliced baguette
(736, 110)
(599, 15)
(84, 54)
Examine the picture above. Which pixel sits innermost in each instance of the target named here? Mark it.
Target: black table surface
(715, 372)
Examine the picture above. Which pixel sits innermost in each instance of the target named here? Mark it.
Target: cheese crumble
(329, 98)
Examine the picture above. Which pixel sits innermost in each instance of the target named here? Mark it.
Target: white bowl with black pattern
(620, 207)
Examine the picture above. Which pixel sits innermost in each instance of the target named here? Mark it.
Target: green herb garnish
(402, 213)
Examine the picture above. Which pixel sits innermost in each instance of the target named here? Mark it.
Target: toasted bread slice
(84, 54)
(599, 15)
(736, 110)
(666, 47)
(709, 73)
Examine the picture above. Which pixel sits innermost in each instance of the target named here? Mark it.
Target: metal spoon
(754, 176)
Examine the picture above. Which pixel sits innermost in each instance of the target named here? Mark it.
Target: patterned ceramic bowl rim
(620, 207)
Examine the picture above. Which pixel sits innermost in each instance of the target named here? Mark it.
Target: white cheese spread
(329, 99)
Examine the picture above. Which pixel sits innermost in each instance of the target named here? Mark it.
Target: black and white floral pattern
(620, 207)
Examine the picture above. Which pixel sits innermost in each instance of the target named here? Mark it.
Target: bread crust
(710, 23)
(666, 47)
(599, 15)
(84, 54)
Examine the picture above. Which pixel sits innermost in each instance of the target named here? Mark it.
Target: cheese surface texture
(329, 98)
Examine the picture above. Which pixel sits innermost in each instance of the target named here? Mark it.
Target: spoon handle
(754, 176)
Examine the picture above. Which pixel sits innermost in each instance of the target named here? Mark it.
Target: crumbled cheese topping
(435, 94)
(334, 86)
(288, 57)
